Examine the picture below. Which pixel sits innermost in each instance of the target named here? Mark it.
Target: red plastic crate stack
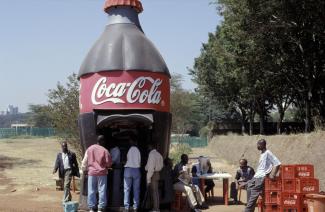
(287, 192)
(297, 181)
(272, 195)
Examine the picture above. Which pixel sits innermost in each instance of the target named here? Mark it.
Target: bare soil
(290, 149)
(27, 183)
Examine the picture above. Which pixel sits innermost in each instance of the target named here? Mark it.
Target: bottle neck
(123, 15)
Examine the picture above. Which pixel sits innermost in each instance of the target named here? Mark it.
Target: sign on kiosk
(124, 90)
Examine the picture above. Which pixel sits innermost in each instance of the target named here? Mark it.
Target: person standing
(116, 174)
(132, 176)
(268, 166)
(154, 165)
(96, 161)
(167, 194)
(66, 163)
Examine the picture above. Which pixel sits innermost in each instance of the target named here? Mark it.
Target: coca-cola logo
(309, 188)
(289, 202)
(304, 174)
(141, 90)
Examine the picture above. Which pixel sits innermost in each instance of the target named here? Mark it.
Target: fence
(193, 142)
(12, 132)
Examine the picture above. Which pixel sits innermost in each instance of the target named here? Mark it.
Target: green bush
(177, 150)
(204, 132)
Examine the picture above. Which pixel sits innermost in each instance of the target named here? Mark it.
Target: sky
(42, 42)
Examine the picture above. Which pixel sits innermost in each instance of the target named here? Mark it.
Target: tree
(186, 114)
(266, 54)
(40, 116)
(64, 110)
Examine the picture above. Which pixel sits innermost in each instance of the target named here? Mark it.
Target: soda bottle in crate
(289, 185)
(287, 172)
(272, 197)
(273, 185)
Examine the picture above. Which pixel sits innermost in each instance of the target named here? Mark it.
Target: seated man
(243, 175)
(202, 167)
(184, 184)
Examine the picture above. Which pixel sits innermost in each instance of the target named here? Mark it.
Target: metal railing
(39, 132)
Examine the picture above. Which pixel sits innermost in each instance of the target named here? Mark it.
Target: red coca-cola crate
(304, 171)
(307, 185)
(288, 171)
(290, 200)
(272, 208)
(275, 185)
(272, 197)
(289, 185)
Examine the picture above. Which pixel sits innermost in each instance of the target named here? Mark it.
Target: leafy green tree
(64, 110)
(186, 115)
(40, 116)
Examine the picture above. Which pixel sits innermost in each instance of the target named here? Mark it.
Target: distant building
(2, 113)
(11, 110)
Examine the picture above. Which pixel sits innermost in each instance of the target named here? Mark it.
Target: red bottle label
(123, 90)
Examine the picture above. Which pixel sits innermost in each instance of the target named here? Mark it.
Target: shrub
(177, 150)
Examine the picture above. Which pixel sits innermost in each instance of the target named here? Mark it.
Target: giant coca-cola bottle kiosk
(124, 91)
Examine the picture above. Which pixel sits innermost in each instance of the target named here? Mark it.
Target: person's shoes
(203, 206)
(100, 210)
(195, 210)
(91, 210)
(134, 209)
(126, 209)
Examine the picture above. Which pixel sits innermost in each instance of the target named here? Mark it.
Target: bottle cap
(136, 4)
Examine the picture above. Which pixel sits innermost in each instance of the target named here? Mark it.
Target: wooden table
(214, 176)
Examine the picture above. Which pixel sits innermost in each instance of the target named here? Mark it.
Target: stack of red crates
(287, 192)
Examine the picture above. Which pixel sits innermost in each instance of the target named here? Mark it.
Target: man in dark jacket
(66, 163)
(243, 175)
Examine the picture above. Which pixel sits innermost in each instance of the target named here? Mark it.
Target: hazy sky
(44, 41)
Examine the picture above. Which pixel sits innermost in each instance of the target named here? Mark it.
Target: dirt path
(219, 165)
(27, 185)
(26, 182)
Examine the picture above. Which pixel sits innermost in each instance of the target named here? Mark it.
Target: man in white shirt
(154, 165)
(132, 176)
(268, 166)
(67, 165)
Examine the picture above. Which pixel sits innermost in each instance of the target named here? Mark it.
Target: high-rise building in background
(11, 110)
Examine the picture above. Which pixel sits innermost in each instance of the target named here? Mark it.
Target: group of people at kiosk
(98, 160)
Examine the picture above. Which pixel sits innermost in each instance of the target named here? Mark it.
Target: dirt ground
(290, 149)
(27, 183)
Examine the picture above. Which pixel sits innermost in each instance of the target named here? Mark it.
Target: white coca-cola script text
(137, 91)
